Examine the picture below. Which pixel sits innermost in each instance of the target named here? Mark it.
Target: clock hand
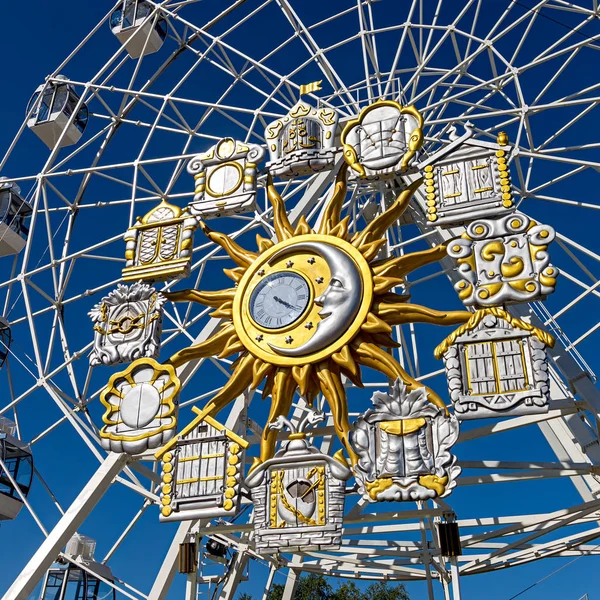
(286, 304)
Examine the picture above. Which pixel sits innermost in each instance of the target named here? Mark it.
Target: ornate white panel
(471, 182)
(383, 140)
(159, 246)
(141, 407)
(225, 179)
(403, 444)
(298, 496)
(127, 325)
(504, 261)
(302, 142)
(202, 473)
(496, 365)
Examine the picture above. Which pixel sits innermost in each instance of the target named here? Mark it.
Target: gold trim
(241, 319)
(202, 416)
(415, 142)
(111, 409)
(478, 316)
(230, 191)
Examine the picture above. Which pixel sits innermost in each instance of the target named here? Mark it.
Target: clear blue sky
(37, 36)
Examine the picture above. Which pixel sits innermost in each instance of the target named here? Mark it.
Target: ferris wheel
(375, 216)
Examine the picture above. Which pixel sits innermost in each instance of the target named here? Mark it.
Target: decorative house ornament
(141, 407)
(225, 179)
(159, 246)
(383, 140)
(298, 495)
(496, 365)
(403, 444)
(469, 183)
(127, 325)
(504, 261)
(302, 142)
(202, 469)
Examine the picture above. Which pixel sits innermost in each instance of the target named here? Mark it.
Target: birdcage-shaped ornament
(403, 443)
(469, 183)
(202, 470)
(159, 245)
(504, 261)
(383, 140)
(302, 142)
(298, 495)
(225, 179)
(496, 365)
(127, 325)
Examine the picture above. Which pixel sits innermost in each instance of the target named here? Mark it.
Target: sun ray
(348, 365)
(237, 384)
(241, 256)
(378, 226)
(214, 299)
(282, 396)
(302, 377)
(211, 347)
(373, 356)
(332, 212)
(398, 314)
(335, 394)
(281, 223)
(402, 265)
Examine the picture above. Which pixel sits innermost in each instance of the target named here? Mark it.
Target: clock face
(279, 299)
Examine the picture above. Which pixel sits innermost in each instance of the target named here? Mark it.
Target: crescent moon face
(339, 303)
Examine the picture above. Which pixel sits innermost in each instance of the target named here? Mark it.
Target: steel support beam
(67, 526)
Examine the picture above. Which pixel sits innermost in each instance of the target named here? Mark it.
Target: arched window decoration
(159, 245)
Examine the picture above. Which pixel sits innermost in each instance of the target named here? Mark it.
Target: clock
(302, 300)
(280, 299)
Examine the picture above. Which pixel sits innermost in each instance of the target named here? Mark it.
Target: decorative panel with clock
(298, 495)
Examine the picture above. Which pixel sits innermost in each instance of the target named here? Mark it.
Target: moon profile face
(339, 302)
(340, 287)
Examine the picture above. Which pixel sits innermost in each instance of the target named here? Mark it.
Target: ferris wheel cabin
(68, 581)
(51, 111)
(17, 471)
(14, 211)
(139, 31)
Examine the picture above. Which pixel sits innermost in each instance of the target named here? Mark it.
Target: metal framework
(503, 66)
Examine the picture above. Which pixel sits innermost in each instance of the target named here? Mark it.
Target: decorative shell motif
(403, 444)
(141, 407)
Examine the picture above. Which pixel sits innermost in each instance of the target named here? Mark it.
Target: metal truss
(517, 68)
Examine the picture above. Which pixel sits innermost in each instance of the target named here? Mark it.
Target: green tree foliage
(316, 587)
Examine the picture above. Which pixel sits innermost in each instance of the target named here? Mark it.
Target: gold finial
(308, 88)
(502, 138)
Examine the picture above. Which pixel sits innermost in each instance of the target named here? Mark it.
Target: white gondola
(14, 211)
(18, 468)
(137, 29)
(67, 581)
(50, 113)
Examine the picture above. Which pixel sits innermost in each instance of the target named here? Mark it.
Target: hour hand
(286, 304)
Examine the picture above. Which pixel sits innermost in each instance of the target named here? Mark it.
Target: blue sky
(37, 36)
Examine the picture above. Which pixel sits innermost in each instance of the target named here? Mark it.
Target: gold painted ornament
(141, 407)
(310, 308)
